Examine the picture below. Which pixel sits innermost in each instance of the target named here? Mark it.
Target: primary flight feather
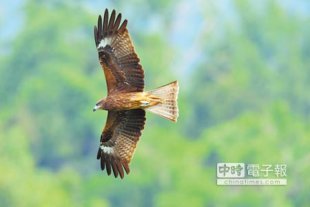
(126, 101)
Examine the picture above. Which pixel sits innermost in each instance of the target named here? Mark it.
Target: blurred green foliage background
(244, 73)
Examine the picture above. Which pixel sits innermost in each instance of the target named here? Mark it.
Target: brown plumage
(126, 101)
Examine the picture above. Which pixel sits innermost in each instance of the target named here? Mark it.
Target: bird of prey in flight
(126, 101)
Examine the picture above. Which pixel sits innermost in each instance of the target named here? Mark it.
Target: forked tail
(168, 108)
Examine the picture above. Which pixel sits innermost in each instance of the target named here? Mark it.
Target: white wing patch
(108, 150)
(104, 42)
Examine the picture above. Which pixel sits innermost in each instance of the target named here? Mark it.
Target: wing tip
(109, 24)
(112, 164)
(117, 167)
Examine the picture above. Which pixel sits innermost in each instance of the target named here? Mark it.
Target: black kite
(126, 101)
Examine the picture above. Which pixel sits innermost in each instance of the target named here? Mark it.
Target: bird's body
(126, 101)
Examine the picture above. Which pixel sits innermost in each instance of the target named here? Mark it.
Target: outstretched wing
(119, 139)
(117, 56)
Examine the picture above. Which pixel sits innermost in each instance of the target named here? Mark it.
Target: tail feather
(168, 108)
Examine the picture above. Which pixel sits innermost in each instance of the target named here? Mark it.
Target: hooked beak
(95, 108)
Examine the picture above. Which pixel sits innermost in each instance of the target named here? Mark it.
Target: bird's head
(100, 104)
